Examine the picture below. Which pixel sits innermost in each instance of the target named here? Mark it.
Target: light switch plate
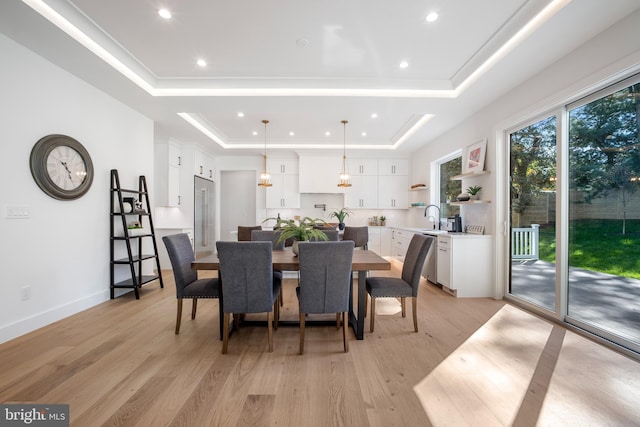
(17, 212)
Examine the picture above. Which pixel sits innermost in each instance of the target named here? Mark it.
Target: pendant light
(345, 178)
(265, 177)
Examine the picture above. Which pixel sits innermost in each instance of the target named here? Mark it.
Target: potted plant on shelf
(340, 216)
(301, 231)
(473, 191)
(383, 220)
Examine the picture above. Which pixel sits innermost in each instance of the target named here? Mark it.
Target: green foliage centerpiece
(302, 230)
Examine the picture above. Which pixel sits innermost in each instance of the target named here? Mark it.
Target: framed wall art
(474, 157)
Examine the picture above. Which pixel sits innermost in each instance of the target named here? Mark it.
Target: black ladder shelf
(135, 257)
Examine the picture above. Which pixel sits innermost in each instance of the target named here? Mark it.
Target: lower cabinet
(464, 265)
(400, 240)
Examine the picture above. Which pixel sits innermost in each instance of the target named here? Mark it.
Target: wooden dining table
(285, 260)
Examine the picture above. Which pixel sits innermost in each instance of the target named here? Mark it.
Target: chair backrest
(268, 236)
(181, 255)
(246, 274)
(359, 235)
(332, 235)
(325, 276)
(324, 227)
(414, 260)
(244, 232)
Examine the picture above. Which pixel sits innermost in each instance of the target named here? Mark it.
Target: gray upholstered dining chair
(268, 236)
(244, 232)
(332, 236)
(271, 236)
(359, 235)
(187, 283)
(248, 285)
(325, 282)
(405, 286)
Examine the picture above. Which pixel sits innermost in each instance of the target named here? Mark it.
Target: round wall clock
(61, 167)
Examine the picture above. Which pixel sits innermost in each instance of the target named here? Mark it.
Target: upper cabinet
(284, 192)
(203, 165)
(282, 165)
(168, 159)
(393, 167)
(368, 167)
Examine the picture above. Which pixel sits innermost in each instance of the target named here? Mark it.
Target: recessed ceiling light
(201, 62)
(164, 13)
(254, 133)
(374, 116)
(363, 134)
(433, 16)
(291, 133)
(404, 64)
(240, 114)
(327, 133)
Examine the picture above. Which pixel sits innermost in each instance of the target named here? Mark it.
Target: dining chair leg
(270, 330)
(415, 313)
(236, 321)
(225, 339)
(337, 320)
(276, 314)
(194, 307)
(404, 306)
(373, 314)
(301, 333)
(179, 316)
(366, 305)
(344, 332)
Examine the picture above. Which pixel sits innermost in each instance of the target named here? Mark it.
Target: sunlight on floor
(521, 370)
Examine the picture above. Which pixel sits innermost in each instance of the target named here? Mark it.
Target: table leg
(357, 323)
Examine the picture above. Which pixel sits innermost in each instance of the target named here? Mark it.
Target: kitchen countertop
(433, 232)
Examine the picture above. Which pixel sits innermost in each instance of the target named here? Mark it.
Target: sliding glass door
(604, 214)
(532, 213)
(574, 248)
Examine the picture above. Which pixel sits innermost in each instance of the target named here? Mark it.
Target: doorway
(238, 191)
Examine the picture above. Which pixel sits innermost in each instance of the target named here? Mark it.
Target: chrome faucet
(430, 216)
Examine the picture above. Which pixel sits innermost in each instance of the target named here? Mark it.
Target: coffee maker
(454, 224)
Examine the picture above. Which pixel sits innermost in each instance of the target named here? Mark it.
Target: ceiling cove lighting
(150, 85)
(265, 177)
(345, 178)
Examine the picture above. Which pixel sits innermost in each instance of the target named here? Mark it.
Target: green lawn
(598, 245)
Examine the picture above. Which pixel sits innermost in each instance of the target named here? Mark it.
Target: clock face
(66, 168)
(61, 167)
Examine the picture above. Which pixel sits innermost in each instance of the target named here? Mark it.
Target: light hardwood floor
(475, 362)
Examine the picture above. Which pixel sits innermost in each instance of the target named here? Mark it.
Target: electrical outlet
(17, 212)
(25, 293)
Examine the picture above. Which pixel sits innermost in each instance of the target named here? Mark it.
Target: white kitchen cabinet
(374, 239)
(282, 165)
(203, 165)
(393, 167)
(400, 240)
(363, 167)
(284, 192)
(464, 266)
(363, 193)
(167, 158)
(385, 241)
(393, 192)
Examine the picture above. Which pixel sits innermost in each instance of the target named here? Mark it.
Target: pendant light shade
(345, 178)
(265, 177)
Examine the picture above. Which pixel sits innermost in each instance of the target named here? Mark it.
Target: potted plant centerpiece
(473, 191)
(340, 216)
(301, 231)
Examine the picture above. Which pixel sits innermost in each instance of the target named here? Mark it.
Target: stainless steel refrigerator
(204, 217)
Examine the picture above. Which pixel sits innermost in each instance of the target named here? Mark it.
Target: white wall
(610, 56)
(62, 251)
